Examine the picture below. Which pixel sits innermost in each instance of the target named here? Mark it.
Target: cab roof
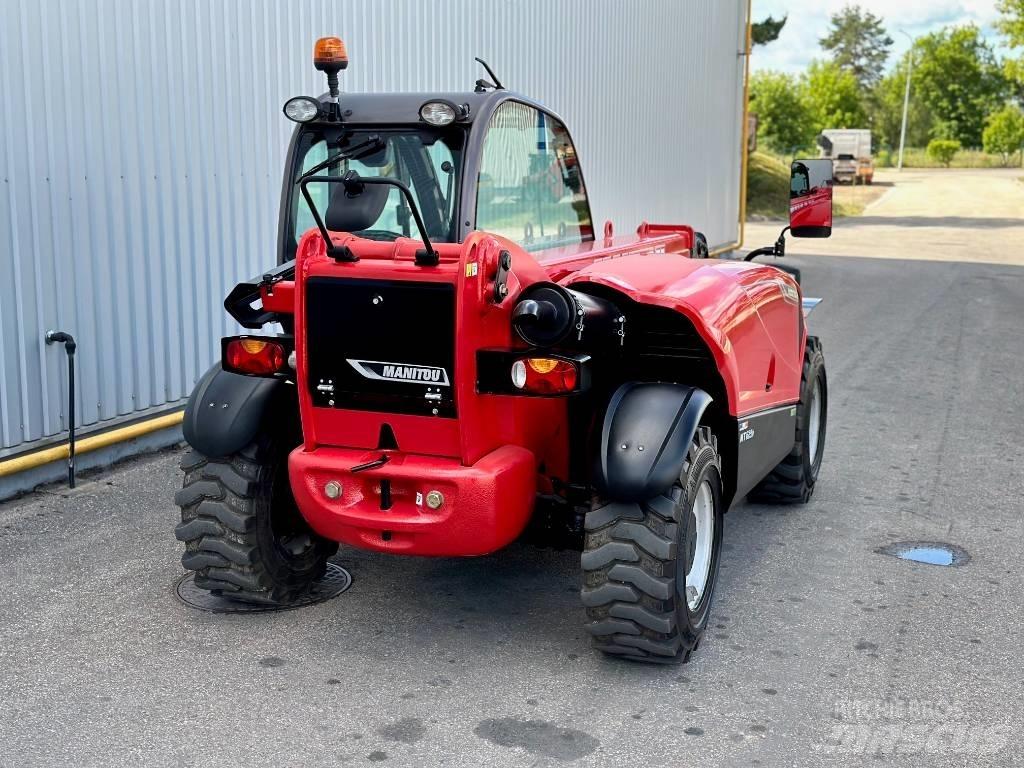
(389, 108)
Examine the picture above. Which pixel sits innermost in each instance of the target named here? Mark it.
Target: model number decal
(411, 374)
(746, 433)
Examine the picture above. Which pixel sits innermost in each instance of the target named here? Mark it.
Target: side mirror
(810, 198)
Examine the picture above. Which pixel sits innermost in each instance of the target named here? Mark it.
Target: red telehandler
(463, 361)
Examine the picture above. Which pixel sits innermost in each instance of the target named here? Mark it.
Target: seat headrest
(347, 212)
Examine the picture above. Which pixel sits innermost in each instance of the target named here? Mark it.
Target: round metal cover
(334, 582)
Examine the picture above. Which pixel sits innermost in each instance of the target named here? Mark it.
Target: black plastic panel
(381, 345)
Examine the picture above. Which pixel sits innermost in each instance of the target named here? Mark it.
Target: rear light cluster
(256, 355)
(544, 375)
(518, 372)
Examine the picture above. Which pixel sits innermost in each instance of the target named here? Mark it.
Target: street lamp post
(906, 99)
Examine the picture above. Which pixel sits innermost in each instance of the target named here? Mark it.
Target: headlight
(438, 113)
(302, 109)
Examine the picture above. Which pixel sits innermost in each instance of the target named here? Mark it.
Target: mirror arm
(777, 250)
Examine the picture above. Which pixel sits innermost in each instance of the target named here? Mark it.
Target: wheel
(244, 537)
(700, 246)
(649, 569)
(794, 478)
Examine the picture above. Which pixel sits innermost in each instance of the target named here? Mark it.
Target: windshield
(427, 160)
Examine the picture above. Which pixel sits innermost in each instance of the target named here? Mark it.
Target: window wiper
(362, 149)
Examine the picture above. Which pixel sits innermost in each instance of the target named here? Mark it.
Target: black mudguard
(647, 433)
(226, 410)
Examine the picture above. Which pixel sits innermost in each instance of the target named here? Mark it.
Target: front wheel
(793, 480)
(649, 568)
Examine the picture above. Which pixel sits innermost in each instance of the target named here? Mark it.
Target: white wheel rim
(703, 512)
(814, 419)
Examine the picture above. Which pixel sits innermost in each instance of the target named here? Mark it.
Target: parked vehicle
(464, 361)
(850, 151)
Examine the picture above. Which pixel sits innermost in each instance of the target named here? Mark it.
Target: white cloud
(808, 21)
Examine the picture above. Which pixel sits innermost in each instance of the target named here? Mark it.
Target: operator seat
(354, 212)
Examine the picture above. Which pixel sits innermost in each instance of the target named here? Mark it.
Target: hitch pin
(384, 458)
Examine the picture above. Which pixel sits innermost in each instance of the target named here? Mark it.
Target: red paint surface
(811, 210)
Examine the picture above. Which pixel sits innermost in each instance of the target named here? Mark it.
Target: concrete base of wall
(57, 471)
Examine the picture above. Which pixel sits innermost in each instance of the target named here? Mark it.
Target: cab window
(530, 189)
(426, 160)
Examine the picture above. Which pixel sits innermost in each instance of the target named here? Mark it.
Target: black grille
(660, 332)
(381, 345)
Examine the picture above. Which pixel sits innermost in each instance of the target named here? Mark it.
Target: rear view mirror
(810, 198)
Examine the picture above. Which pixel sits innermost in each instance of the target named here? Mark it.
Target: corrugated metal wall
(142, 145)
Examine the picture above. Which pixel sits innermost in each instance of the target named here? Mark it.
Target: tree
(764, 32)
(1004, 132)
(1011, 24)
(858, 43)
(783, 122)
(886, 106)
(957, 78)
(833, 97)
(943, 150)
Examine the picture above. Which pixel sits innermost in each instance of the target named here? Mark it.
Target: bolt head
(435, 499)
(332, 489)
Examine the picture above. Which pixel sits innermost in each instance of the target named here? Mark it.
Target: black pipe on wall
(60, 337)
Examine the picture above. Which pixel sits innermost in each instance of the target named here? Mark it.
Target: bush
(943, 150)
(1004, 132)
(884, 159)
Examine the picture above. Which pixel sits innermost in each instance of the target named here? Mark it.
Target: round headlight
(302, 109)
(438, 113)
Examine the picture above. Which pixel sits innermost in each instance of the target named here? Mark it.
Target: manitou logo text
(412, 374)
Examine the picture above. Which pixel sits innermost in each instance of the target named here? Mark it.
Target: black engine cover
(381, 345)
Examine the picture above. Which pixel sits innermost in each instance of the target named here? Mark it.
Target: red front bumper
(485, 507)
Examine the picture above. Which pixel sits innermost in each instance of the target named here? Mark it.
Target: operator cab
(489, 159)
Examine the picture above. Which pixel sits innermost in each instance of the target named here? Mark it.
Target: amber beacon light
(330, 57)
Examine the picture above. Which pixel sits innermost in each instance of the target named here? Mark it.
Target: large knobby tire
(793, 480)
(638, 557)
(244, 537)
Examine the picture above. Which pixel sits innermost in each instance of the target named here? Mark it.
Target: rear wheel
(794, 478)
(649, 569)
(244, 536)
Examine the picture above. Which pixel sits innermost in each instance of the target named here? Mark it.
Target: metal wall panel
(142, 146)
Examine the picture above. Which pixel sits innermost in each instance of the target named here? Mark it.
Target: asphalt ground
(819, 652)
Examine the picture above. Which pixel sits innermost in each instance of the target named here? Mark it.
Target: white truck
(850, 151)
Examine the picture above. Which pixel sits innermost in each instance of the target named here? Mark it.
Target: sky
(808, 22)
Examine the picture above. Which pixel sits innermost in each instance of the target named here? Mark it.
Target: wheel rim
(814, 420)
(703, 524)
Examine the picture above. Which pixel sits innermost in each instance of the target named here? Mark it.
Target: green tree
(764, 32)
(1011, 24)
(1004, 132)
(886, 107)
(957, 78)
(943, 150)
(783, 122)
(859, 44)
(833, 97)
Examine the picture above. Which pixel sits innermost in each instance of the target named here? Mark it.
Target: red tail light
(254, 356)
(544, 375)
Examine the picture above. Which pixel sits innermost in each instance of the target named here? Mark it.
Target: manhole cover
(928, 552)
(334, 582)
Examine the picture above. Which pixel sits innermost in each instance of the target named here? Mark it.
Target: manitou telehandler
(464, 361)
